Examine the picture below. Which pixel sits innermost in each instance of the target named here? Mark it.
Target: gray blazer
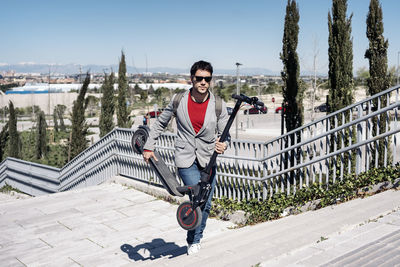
(188, 144)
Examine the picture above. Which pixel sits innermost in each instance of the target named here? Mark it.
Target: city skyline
(174, 34)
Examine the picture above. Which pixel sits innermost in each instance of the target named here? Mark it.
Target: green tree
(60, 109)
(225, 92)
(151, 90)
(379, 79)
(78, 140)
(3, 140)
(137, 89)
(340, 74)
(340, 56)
(122, 111)
(5, 87)
(15, 141)
(291, 90)
(362, 76)
(55, 119)
(162, 96)
(93, 103)
(247, 90)
(144, 95)
(107, 105)
(271, 88)
(4, 112)
(41, 140)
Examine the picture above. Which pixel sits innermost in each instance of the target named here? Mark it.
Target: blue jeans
(191, 176)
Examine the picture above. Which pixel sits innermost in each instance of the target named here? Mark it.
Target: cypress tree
(41, 139)
(137, 89)
(107, 105)
(60, 114)
(292, 91)
(55, 121)
(340, 57)
(78, 140)
(379, 79)
(122, 111)
(3, 140)
(14, 142)
(340, 73)
(151, 90)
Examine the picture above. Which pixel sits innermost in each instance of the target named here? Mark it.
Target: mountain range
(76, 68)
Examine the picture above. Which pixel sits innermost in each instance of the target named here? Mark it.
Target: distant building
(44, 88)
(146, 86)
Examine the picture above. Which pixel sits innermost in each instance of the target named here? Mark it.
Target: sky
(176, 33)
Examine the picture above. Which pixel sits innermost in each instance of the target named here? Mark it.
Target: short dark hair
(201, 65)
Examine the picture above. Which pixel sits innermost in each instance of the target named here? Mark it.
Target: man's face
(200, 84)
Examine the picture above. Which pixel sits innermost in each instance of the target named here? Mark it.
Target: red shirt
(197, 113)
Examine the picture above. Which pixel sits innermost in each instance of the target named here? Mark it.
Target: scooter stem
(222, 139)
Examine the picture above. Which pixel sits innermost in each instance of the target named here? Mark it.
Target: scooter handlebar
(250, 100)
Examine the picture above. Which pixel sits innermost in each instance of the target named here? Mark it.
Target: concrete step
(92, 227)
(111, 223)
(263, 242)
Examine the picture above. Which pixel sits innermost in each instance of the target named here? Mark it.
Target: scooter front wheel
(139, 138)
(188, 218)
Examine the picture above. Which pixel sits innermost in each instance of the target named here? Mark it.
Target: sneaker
(193, 248)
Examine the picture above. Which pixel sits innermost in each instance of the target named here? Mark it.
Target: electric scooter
(189, 213)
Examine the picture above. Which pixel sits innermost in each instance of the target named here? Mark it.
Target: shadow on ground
(155, 249)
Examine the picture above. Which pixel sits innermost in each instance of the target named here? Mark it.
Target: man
(198, 131)
(145, 119)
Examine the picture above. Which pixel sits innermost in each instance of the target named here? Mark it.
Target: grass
(8, 188)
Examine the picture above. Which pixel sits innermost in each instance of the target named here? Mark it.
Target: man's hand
(220, 147)
(148, 155)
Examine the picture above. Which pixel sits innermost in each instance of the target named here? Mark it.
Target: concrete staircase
(114, 225)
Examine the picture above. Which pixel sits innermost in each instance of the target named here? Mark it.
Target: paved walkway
(113, 225)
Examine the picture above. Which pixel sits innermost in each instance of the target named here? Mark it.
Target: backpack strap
(218, 106)
(178, 98)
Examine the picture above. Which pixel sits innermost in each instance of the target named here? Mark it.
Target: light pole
(314, 88)
(238, 93)
(398, 53)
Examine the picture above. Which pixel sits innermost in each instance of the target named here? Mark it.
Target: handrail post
(359, 137)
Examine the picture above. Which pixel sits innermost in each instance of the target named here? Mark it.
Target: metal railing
(28, 177)
(327, 149)
(321, 151)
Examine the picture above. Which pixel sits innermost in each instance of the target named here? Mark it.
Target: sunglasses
(200, 78)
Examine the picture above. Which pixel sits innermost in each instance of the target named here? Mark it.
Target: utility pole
(315, 79)
(314, 88)
(238, 93)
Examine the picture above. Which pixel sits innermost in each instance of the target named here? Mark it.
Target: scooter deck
(167, 178)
